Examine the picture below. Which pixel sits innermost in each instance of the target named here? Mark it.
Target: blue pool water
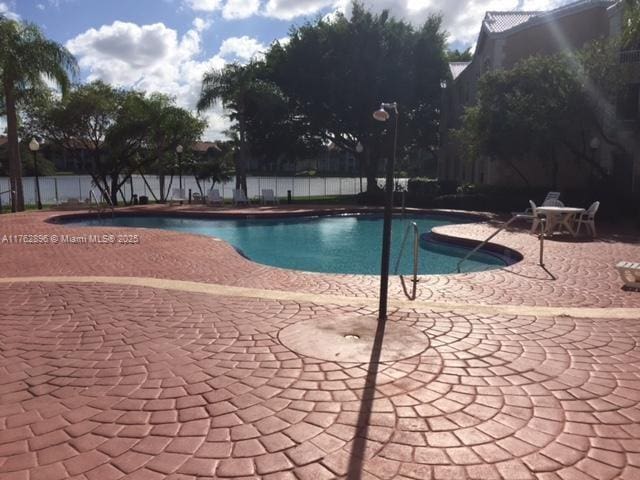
(337, 244)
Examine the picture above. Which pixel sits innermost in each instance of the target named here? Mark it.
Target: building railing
(630, 56)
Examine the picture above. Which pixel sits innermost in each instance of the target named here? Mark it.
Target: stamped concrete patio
(178, 358)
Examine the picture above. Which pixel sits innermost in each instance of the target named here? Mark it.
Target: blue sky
(167, 45)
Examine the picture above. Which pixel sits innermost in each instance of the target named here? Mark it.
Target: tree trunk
(114, 190)
(149, 186)
(163, 197)
(241, 168)
(372, 172)
(15, 165)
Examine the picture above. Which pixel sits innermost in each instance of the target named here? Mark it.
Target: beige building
(508, 37)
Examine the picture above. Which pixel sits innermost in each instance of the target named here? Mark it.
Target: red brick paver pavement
(101, 381)
(584, 271)
(104, 381)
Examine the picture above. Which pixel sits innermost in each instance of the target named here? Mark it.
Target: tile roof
(457, 68)
(497, 22)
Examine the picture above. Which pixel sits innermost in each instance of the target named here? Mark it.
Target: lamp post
(179, 150)
(34, 146)
(359, 150)
(382, 115)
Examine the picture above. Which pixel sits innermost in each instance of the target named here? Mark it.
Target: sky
(167, 45)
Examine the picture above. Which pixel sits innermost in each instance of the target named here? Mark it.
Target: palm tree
(236, 86)
(27, 57)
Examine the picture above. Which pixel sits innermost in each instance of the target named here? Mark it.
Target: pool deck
(166, 359)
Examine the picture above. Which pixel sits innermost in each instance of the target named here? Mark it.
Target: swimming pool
(335, 244)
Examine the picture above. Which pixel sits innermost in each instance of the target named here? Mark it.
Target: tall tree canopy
(26, 58)
(546, 104)
(239, 89)
(124, 131)
(335, 73)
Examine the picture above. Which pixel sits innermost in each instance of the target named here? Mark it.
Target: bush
(423, 187)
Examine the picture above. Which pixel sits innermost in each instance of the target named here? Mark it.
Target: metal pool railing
(416, 252)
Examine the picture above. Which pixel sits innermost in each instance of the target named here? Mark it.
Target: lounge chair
(630, 273)
(177, 195)
(588, 219)
(239, 197)
(214, 198)
(269, 197)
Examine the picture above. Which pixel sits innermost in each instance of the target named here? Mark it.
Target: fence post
(293, 185)
(325, 187)
(309, 188)
(339, 186)
(55, 188)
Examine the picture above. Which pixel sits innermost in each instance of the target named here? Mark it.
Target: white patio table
(562, 216)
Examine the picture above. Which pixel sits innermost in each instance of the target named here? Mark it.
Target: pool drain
(351, 336)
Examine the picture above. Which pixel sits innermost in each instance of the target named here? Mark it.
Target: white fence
(57, 189)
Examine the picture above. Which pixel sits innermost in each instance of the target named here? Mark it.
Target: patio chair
(629, 273)
(214, 198)
(239, 197)
(551, 196)
(177, 195)
(588, 219)
(196, 197)
(538, 220)
(551, 200)
(269, 197)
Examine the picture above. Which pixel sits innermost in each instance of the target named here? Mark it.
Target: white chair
(214, 198)
(553, 202)
(239, 197)
(588, 219)
(551, 196)
(177, 195)
(538, 220)
(269, 197)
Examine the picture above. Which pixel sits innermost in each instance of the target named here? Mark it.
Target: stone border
(221, 290)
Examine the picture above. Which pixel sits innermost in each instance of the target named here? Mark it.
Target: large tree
(26, 58)
(544, 106)
(236, 87)
(335, 72)
(124, 131)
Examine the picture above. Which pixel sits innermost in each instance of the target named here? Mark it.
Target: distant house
(506, 38)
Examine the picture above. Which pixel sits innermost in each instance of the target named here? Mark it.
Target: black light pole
(382, 115)
(34, 146)
(359, 150)
(179, 150)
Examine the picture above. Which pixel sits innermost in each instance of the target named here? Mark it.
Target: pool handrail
(502, 227)
(416, 253)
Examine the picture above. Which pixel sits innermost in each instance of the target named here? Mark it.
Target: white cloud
(7, 12)
(204, 5)
(461, 18)
(200, 24)
(152, 58)
(40, 6)
(241, 49)
(289, 9)
(237, 9)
